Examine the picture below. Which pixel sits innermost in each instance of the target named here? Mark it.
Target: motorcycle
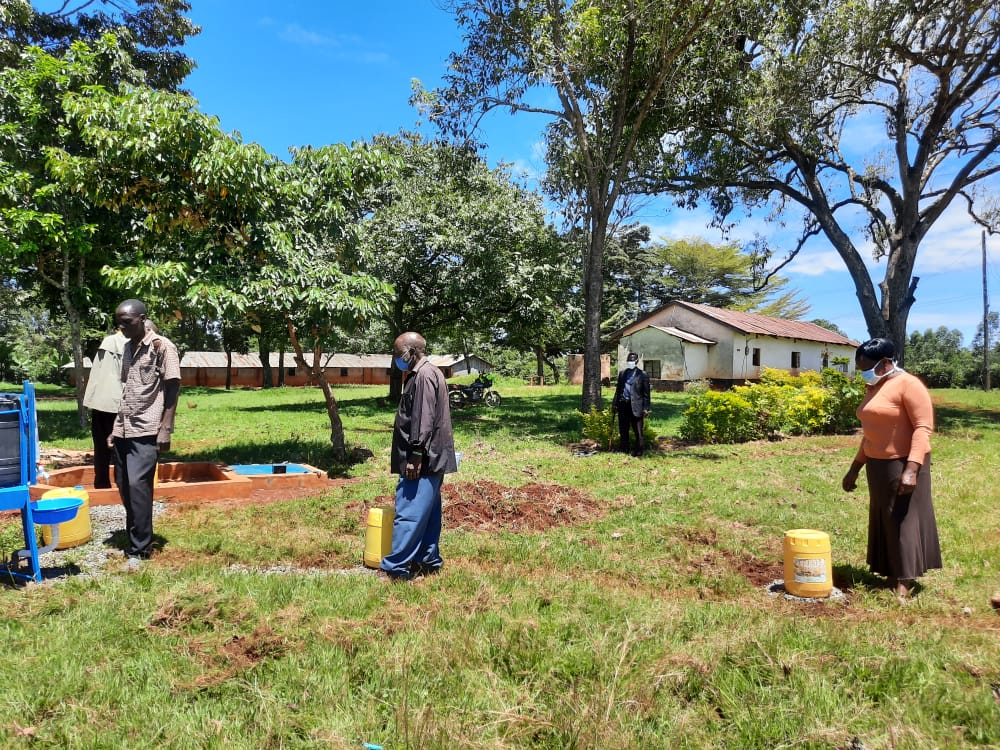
(480, 392)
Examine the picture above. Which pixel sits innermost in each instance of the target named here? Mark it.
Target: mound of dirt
(488, 506)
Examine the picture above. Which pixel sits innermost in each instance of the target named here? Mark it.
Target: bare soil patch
(487, 506)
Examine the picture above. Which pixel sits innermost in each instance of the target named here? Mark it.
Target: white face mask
(630, 365)
(871, 378)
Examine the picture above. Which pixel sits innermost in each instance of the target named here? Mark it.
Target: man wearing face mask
(423, 451)
(631, 401)
(897, 420)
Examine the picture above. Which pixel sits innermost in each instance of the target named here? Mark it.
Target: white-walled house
(682, 341)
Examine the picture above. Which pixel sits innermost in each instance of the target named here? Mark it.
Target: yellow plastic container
(378, 536)
(76, 531)
(808, 563)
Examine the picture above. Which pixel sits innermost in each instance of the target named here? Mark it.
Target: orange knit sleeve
(917, 403)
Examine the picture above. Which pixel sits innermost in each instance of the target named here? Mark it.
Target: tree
(786, 119)
(695, 270)
(615, 69)
(49, 233)
(151, 33)
(829, 325)
(939, 359)
(466, 250)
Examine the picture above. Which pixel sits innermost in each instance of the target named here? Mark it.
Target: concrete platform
(176, 482)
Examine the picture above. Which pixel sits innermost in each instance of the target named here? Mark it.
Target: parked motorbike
(479, 392)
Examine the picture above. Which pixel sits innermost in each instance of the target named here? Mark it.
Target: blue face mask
(402, 364)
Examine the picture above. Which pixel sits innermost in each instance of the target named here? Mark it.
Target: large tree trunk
(593, 285)
(264, 349)
(229, 368)
(337, 439)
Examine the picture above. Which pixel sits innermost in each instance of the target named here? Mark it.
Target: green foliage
(601, 426)
(695, 270)
(714, 417)
(257, 627)
(781, 404)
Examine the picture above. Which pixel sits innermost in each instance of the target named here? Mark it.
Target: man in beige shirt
(102, 397)
(151, 378)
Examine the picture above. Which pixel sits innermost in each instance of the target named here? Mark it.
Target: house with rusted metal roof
(683, 341)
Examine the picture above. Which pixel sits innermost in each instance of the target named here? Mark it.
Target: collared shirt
(104, 386)
(627, 389)
(144, 373)
(423, 423)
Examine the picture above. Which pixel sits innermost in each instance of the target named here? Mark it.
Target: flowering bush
(780, 404)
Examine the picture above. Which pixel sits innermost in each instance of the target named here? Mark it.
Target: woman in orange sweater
(897, 420)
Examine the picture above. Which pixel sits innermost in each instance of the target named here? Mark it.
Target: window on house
(796, 360)
(289, 372)
(756, 356)
(826, 360)
(343, 372)
(652, 368)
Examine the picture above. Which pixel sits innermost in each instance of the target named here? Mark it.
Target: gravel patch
(107, 526)
(777, 587)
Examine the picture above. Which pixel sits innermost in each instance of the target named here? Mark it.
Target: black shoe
(394, 577)
(422, 569)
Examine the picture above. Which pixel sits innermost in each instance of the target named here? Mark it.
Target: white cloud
(345, 46)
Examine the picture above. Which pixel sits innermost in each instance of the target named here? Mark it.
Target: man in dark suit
(631, 401)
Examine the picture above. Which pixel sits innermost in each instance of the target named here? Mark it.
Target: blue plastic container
(55, 510)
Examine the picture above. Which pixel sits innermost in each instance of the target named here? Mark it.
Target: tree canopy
(789, 120)
(615, 69)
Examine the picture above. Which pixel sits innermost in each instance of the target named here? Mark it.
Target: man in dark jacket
(423, 451)
(632, 403)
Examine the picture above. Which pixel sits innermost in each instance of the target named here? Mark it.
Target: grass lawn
(648, 627)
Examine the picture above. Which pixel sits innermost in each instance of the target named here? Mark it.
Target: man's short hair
(632, 357)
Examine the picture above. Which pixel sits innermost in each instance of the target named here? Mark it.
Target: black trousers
(628, 423)
(101, 424)
(135, 467)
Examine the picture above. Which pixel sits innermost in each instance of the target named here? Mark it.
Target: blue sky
(313, 72)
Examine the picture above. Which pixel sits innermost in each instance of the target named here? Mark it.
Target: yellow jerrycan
(77, 530)
(808, 563)
(378, 536)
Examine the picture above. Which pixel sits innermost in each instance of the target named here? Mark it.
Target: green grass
(648, 628)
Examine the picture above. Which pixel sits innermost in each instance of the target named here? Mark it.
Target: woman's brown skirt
(902, 533)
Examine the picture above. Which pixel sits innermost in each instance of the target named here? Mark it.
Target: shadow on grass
(850, 577)
(60, 425)
(952, 418)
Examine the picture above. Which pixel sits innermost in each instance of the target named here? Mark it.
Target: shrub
(720, 418)
(601, 426)
(807, 404)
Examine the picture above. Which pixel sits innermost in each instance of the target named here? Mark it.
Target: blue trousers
(416, 528)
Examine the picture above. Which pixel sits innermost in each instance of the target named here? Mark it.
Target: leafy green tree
(829, 325)
(467, 251)
(939, 358)
(695, 270)
(617, 72)
(231, 229)
(977, 372)
(54, 240)
(783, 125)
(150, 32)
